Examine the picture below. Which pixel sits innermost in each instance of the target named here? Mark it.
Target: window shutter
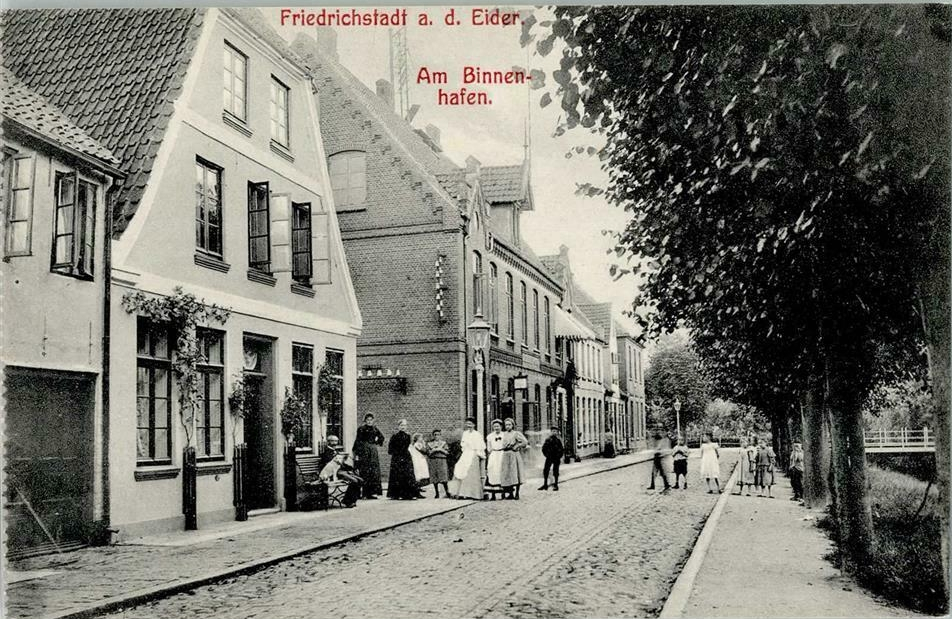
(320, 245)
(301, 260)
(89, 232)
(280, 233)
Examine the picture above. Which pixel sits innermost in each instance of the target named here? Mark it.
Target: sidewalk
(93, 580)
(766, 560)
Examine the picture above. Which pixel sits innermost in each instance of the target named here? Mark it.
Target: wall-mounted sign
(520, 382)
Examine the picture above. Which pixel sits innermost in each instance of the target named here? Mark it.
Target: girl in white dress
(421, 470)
(710, 467)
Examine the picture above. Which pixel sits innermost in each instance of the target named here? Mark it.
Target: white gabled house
(226, 195)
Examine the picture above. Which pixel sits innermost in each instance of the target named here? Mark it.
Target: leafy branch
(183, 313)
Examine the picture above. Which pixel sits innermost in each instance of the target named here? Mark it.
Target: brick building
(431, 244)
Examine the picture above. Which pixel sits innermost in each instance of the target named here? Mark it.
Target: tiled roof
(29, 109)
(503, 183)
(328, 68)
(599, 313)
(114, 72)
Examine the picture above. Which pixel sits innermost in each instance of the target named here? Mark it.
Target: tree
(787, 172)
(674, 374)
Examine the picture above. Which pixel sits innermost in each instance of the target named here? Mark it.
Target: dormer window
(349, 178)
(234, 93)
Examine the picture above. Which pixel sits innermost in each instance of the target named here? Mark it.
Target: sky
(495, 134)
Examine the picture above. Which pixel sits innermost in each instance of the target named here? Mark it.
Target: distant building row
(146, 150)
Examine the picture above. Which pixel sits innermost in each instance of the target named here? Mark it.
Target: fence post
(925, 436)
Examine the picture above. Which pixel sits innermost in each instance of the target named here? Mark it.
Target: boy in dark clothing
(661, 445)
(553, 451)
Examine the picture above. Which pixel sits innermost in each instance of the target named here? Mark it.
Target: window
(535, 317)
(19, 179)
(210, 421)
(301, 242)
(153, 393)
(510, 309)
(74, 227)
(259, 227)
(548, 326)
(525, 314)
(493, 299)
(235, 82)
(279, 112)
(349, 178)
(537, 411)
(477, 283)
(208, 207)
(335, 404)
(302, 381)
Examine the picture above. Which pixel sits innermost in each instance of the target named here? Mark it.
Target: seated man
(339, 465)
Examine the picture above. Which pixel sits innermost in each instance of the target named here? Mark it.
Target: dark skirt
(681, 467)
(764, 476)
(368, 461)
(402, 483)
(439, 472)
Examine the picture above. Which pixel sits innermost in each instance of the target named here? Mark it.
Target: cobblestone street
(602, 546)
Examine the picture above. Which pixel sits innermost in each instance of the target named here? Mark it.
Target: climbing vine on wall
(183, 313)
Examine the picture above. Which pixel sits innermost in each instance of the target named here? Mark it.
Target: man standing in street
(553, 450)
(661, 444)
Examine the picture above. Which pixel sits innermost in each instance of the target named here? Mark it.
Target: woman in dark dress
(368, 438)
(402, 483)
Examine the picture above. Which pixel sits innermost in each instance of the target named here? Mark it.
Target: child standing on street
(436, 452)
(553, 450)
(680, 454)
(796, 472)
(710, 466)
(765, 467)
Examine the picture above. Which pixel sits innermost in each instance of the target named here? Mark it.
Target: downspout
(106, 343)
(464, 228)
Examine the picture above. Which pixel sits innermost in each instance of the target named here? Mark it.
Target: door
(259, 425)
(49, 464)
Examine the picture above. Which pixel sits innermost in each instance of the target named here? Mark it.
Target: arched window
(510, 309)
(348, 178)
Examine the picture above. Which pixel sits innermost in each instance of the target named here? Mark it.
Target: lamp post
(478, 332)
(677, 415)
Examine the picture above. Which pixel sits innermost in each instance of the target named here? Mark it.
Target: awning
(566, 326)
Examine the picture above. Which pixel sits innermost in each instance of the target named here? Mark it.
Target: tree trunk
(853, 514)
(816, 447)
(780, 438)
(936, 312)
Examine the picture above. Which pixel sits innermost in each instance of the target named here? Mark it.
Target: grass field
(906, 564)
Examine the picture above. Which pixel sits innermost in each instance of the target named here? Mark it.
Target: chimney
(327, 41)
(385, 92)
(563, 251)
(472, 165)
(434, 133)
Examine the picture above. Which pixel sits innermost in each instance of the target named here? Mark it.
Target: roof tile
(113, 72)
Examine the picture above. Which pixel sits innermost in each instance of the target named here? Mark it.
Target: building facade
(431, 244)
(56, 179)
(253, 230)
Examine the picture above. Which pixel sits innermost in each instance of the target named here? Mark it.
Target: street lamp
(677, 414)
(478, 332)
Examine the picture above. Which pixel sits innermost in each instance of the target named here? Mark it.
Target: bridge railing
(901, 439)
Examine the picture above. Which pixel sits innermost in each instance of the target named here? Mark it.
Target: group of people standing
(496, 461)
(757, 464)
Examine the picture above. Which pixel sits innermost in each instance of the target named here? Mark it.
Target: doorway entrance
(49, 463)
(259, 423)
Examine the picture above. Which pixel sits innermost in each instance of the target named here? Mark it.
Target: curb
(684, 585)
(157, 592)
